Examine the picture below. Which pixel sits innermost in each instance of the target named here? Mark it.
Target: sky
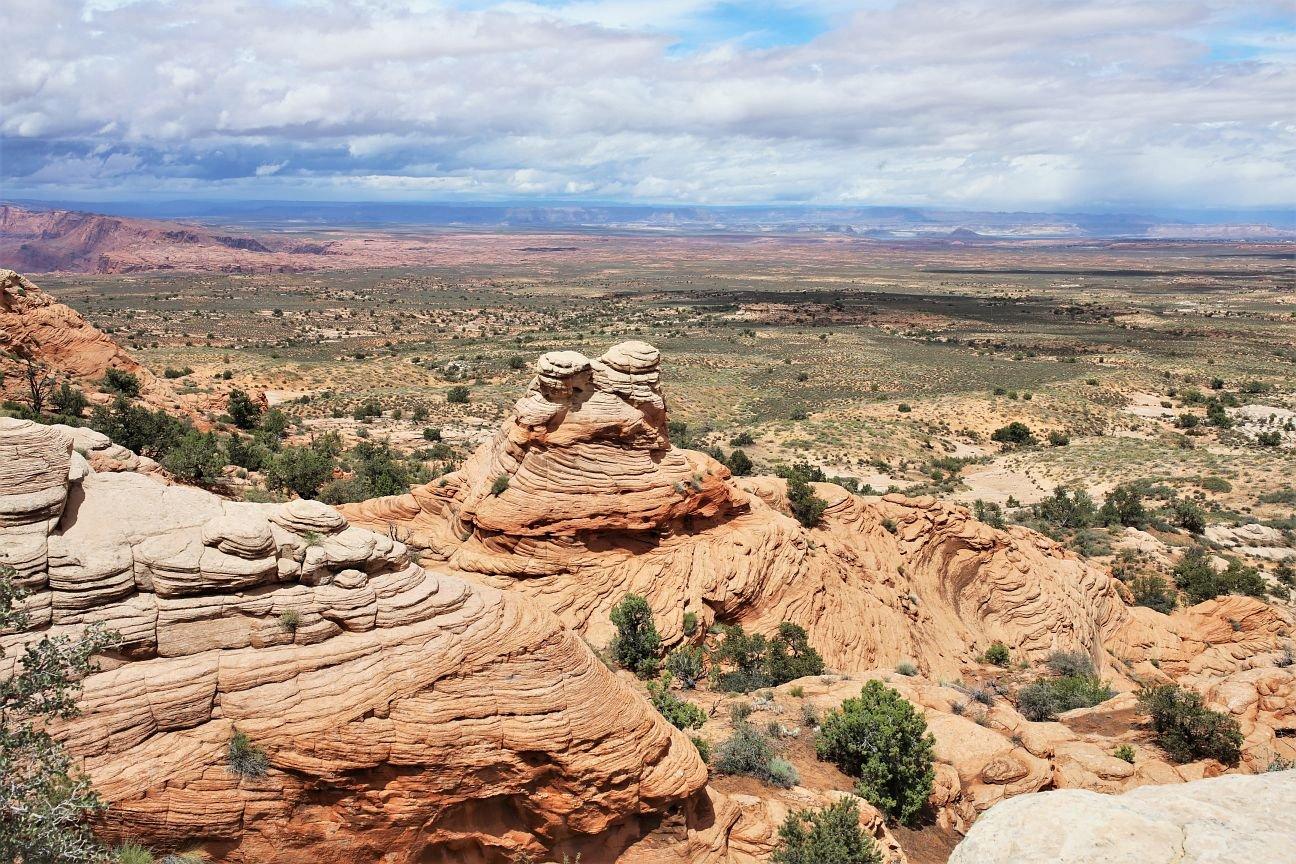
(969, 104)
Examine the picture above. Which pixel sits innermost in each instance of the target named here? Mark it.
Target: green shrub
(457, 395)
(431, 433)
(790, 656)
(1187, 515)
(1069, 511)
(1048, 697)
(742, 439)
(1217, 416)
(499, 485)
(678, 712)
(743, 655)
(997, 654)
(907, 669)
(1125, 753)
(831, 835)
(739, 463)
(290, 620)
(131, 853)
(1015, 433)
(69, 401)
(245, 411)
(1123, 506)
(703, 747)
(690, 623)
(748, 751)
(1195, 576)
(807, 507)
(301, 470)
(1058, 439)
(882, 741)
(245, 758)
(123, 383)
(685, 663)
(781, 773)
(637, 642)
(1152, 591)
(1186, 729)
(1070, 663)
(198, 457)
(148, 433)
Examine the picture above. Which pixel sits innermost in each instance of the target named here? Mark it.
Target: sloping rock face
(407, 716)
(580, 499)
(1225, 819)
(34, 325)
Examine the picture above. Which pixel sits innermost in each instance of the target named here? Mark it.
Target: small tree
(637, 642)
(997, 654)
(790, 655)
(740, 464)
(1187, 729)
(69, 401)
(245, 410)
(831, 835)
(1123, 506)
(745, 655)
(685, 663)
(302, 470)
(881, 740)
(39, 381)
(121, 382)
(199, 458)
(1015, 434)
(44, 805)
(457, 395)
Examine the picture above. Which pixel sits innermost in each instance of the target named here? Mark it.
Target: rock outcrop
(35, 326)
(406, 715)
(580, 499)
(1224, 819)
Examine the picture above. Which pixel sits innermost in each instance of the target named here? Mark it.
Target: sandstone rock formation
(406, 715)
(33, 325)
(581, 499)
(1225, 820)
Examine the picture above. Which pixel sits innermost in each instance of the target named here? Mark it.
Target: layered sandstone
(580, 499)
(406, 715)
(35, 326)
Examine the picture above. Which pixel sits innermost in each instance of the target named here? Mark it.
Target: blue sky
(1003, 104)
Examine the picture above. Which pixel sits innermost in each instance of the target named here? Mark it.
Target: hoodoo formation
(419, 672)
(580, 499)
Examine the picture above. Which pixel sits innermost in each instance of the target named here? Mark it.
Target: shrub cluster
(882, 741)
(1187, 730)
(1076, 685)
(744, 662)
(830, 835)
(749, 751)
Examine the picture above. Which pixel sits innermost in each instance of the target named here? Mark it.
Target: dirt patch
(930, 844)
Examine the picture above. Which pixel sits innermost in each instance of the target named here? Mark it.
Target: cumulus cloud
(996, 103)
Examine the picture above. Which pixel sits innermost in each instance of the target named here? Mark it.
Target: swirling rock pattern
(598, 504)
(407, 715)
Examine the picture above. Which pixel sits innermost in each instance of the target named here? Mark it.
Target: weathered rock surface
(598, 504)
(1224, 820)
(406, 715)
(34, 325)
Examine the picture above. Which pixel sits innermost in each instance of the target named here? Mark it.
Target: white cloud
(1004, 103)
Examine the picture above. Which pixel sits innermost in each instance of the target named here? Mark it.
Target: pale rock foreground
(1223, 820)
(407, 716)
